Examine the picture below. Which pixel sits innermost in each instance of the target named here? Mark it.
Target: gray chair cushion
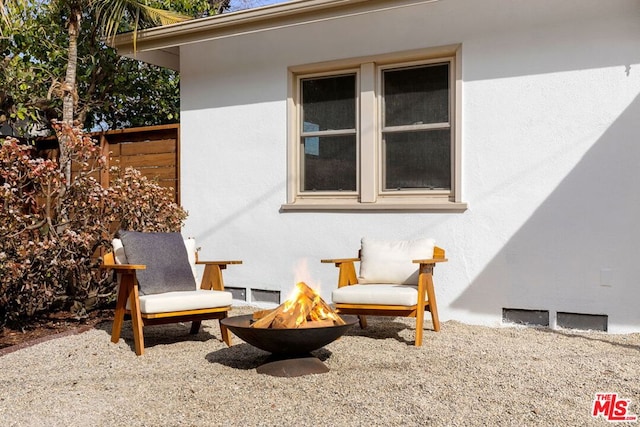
(165, 255)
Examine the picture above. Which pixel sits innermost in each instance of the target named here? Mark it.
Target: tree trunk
(69, 93)
(69, 87)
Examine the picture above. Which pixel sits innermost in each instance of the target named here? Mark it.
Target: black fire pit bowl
(290, 348)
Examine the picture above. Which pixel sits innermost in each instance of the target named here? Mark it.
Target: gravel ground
(461, 376)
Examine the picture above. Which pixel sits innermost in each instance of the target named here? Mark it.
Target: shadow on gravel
(382, 328)
(587, 337)
(246, 357)
(160, 334)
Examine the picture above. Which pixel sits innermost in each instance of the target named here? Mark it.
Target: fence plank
(148, 147)
(160, 173)
(149, 160)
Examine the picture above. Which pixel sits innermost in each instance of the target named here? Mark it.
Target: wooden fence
(153, 150)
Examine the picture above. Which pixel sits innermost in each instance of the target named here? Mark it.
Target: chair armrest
(123, 267)
(338, 261)
(218, 262)
(438, 256)
(429, 261)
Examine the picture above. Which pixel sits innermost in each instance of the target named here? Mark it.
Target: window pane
(418, 160)
(418, 95)
(329, 103)
(329, 163)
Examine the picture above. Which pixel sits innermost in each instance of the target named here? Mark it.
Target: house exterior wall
(550, 128)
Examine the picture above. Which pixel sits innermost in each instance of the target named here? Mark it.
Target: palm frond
(4, 19)
(112, 15)
(7, 7)
(161, 16)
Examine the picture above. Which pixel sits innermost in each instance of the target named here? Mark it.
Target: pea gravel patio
(461, 376)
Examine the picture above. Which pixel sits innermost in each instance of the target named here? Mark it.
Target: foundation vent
(238, 293)
(262, 295)
(594, 322)
(525, 317)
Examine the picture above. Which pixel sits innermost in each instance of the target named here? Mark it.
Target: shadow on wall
(578, 252)
(249, 208)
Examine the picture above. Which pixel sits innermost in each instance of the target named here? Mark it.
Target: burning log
(266, 320)
(257, 315)
(306, 309)
(319, 323)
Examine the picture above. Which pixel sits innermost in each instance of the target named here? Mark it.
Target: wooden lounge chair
(157, 284)
(395, 279)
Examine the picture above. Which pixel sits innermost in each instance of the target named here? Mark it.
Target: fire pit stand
(297, 366)
(290, 348)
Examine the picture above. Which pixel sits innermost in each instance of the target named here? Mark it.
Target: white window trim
(369, 196)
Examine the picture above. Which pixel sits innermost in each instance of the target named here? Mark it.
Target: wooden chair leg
(212, 277)
(121, 305)
(433, 307)
(195, 327)
(363, 321)
(425, 286)
(419, 326)
(136, 320)
(224, 331)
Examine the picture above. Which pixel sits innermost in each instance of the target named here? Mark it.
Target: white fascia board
(167, 39)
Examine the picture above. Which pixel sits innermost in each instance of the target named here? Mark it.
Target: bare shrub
(51, 230)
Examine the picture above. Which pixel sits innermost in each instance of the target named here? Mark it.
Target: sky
(247, 4)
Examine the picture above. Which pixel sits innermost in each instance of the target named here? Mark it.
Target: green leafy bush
(51, 230)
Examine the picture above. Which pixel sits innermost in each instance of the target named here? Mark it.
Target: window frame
(370, 193)
(405, 193)
(301, 133)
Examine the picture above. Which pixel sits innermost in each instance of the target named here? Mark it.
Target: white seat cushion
(118, 251)
(190, 244)
(183, 300)
(392, 261)
(378, 294)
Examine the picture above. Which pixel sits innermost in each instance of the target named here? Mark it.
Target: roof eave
(160, 45)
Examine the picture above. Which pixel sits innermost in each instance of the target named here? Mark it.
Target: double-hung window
(379, 133)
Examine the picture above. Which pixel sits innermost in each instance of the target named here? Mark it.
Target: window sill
(439, 205)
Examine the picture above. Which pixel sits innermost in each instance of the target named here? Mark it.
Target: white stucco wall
(551, 148)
